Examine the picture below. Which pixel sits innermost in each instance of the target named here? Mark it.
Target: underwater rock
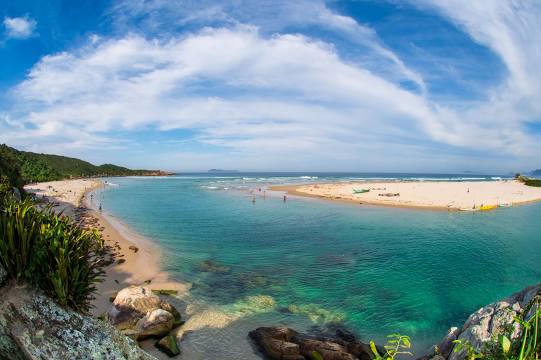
(33, 326)
(317, 314)
(213, 267)
(281, 342)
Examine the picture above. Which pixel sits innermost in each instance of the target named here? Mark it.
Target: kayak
(487, 207)
(360, 191)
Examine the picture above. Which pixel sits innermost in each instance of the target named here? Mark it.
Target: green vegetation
(533, 182)
(35, 167)
(50, 251)
(397, 345)
(10, 172)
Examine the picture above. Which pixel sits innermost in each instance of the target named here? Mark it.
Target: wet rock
(446, 345)
(168, 344)
(33, 326)
(155, 323)
(133, 248)
(281, 342)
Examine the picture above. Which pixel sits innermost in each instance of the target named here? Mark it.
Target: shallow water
(374, 270)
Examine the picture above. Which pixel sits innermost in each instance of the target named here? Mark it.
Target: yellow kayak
(487, 207)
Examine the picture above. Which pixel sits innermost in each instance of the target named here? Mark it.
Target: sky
(360, 85)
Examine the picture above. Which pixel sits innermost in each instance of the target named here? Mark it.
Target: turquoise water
(374, 270)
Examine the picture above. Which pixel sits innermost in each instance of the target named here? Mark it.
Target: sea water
(314, 264)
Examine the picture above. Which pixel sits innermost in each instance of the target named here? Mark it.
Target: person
(100, 207)
(253, 199)
(285, 198)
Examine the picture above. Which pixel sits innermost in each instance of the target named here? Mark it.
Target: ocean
(314, 265)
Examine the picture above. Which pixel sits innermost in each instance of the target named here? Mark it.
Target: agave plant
(50, 251)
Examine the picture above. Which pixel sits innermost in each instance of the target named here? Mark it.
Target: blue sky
(425, 85)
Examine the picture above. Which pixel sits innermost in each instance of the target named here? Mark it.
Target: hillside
(25, 167)
(536, 173)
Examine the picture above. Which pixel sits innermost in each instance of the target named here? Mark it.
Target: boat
(360, 191)
(487, 207)
(505, 205)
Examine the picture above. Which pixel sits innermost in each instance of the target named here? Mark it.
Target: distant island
(536, 172)
(222, 171)
(30, 167)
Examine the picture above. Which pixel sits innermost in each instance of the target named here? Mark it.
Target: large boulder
(33, 326)
(492, 320)
(280, 342)
(155, 323)
(131, 304)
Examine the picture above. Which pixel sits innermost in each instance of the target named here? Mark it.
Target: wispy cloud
(19, 27)
(264, 93)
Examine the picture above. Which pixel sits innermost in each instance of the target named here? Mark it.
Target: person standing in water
(100, 207)
(285, 198)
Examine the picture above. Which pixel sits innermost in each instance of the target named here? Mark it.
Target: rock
(33, 326)
(177, 319)
(492, 320)
(121, 261)
(131, 304)
(274, 342)
(168, 344)
(213, 267)
(281, 342)
(133, 248)
(446, 345)
(3, 275)
(17, 194)
(155, 323)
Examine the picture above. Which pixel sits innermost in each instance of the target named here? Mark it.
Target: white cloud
(19, 27)
(278, 100)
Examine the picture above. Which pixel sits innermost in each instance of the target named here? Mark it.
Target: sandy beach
(135, 259)
(466, 195)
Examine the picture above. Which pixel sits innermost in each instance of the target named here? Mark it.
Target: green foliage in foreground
(50, 251)
(10, 172)
(45, 167)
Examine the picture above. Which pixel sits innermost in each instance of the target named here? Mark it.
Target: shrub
(51, 252)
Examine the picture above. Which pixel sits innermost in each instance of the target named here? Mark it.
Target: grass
(51, 252)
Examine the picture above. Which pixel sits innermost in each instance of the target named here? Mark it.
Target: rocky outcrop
(33, 326)
(141, 314)
(283, 343)
(490, 321)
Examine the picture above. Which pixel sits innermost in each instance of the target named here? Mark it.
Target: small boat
(360, 191)
(505, 205)
(487, 207)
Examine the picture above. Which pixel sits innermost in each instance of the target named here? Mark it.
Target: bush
(533, 182)
(51, 252)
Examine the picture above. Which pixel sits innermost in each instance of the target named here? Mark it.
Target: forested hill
(536, 172)
(33, 167)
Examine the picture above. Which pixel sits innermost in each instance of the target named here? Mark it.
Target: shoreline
(442, 195)
(134, 259)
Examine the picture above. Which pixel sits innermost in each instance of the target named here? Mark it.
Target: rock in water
(156, 323)
(33, 326)
(280, 342)
(168, 344)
